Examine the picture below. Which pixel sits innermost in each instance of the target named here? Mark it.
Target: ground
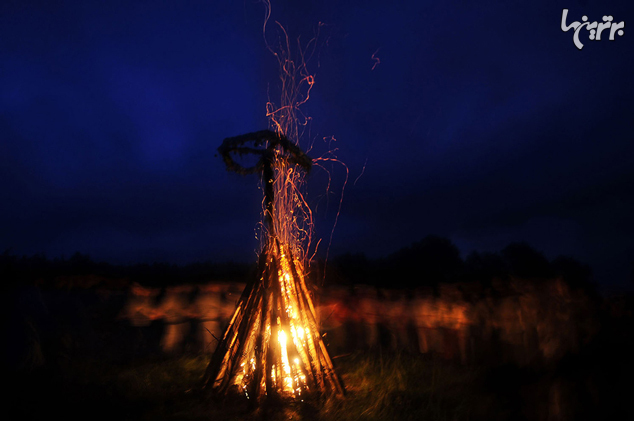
(380, 386)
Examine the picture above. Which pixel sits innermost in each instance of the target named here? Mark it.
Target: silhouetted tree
(573, 272)
(431, 261)
(484, 267)
(80, 264)
(526, 262)
(15, 270)
(351, 269)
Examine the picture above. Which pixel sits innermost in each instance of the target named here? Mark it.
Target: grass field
(380, 386)
(140, 384)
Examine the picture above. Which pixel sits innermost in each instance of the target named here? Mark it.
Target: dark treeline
(39, 269)
(436, 260)
(426, 263)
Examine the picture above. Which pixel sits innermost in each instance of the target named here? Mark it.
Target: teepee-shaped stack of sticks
(272, 346)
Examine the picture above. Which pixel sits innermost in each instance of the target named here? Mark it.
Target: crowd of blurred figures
(518, 321)
(515, 306)
(538, 328)
(572, 343)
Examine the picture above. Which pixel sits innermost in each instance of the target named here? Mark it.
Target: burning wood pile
(272, 346)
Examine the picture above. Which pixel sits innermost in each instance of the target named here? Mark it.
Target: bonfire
(272, 346)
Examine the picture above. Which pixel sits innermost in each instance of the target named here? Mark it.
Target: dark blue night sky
(482, 123)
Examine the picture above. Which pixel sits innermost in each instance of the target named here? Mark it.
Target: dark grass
(593, 384)
(403, 386)
(379, 387)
